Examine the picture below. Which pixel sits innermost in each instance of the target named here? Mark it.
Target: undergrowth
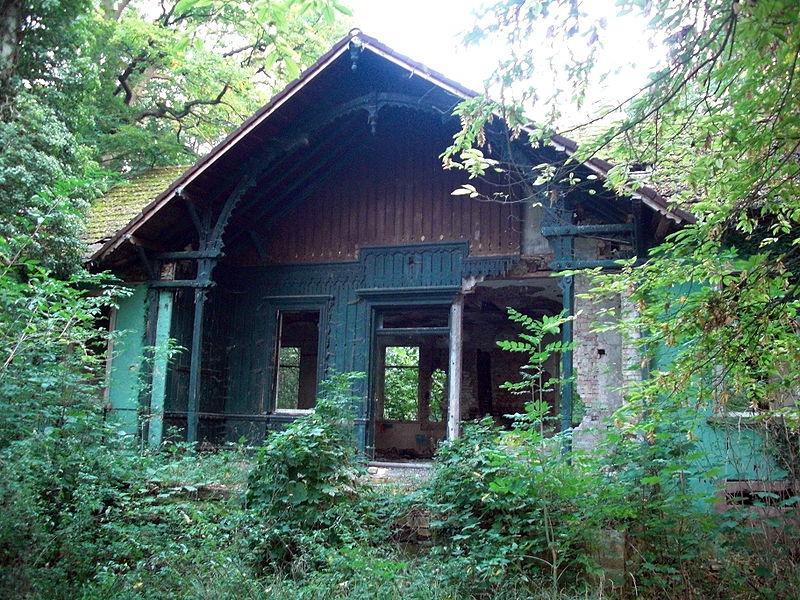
(83, 520)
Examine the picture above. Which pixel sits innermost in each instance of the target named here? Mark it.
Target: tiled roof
(115, 209)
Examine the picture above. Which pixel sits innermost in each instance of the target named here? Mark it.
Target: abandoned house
(322, 237)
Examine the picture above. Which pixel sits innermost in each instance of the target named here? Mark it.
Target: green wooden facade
(127, 359)
(333, 199)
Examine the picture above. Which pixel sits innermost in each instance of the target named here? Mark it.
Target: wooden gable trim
(601, 167)
(199, 168)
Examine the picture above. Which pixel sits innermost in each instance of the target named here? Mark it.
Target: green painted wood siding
(127, 354)
(158, 390)
(730, 448)
(339, 289)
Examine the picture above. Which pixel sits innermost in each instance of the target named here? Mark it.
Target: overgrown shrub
(512, 505)
(49, 340)
(305, 478)
(82, 511)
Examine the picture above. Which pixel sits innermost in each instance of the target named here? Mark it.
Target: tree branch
(162, 110)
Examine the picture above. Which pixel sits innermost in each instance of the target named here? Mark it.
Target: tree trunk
(10, 24)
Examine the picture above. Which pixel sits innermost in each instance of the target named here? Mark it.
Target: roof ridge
(650, 196)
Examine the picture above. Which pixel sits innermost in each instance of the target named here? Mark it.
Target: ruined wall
(603, 363)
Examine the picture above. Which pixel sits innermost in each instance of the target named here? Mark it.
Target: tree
(718, 127)
(90, 90)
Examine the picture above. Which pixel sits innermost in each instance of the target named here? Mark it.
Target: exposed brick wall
(603, 363)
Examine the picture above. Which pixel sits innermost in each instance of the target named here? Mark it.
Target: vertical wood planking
(393, 192)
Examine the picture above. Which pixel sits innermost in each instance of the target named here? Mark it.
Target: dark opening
(418, 317)
(296, 360)
(410, 385)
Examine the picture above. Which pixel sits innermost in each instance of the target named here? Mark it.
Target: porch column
(158, 388)
(454, 379)
(567, 285)
(193, 404)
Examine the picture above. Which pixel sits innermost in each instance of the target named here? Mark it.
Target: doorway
(409, 382)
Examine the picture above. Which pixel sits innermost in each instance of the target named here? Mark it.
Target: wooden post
(158, 389)
(567, 284)
(195, 365)
(454, 379)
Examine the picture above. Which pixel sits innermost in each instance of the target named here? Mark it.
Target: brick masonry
(603, 363)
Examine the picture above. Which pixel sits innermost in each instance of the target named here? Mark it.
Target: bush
(304, 479)
(512, 505)
(83, 510)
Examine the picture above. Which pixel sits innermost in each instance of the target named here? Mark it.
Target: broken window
(437, 406)
(401, 383)
(296, 360)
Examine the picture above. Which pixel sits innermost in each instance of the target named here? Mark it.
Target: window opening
(401, 383)
(438, 400)
(296, 361)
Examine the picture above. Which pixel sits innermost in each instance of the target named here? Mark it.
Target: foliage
(90, 90)
(539, 342)
(47, 178)
(301, 474)
(49, 338)
(510, 504)
(507, 504)
(716, 303)
(718, 130)
(400, 386)
(84, 512)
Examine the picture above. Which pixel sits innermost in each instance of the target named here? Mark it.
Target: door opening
(409, 387)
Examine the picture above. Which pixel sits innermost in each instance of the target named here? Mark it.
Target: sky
(429, 31)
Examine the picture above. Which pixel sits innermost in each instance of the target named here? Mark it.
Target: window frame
(382, 416)
(277, 306)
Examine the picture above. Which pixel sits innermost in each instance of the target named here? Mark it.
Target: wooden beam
(454, 374)
(663, 227)
(639, 242)
(190, 208)
(256, 241)
(148, 268)
(195, 364)
(587, 229)
(401, 331)
(188, 255)
(158, 388)
(147, 244)
(287, 168)
(565, 264)
(325, 168)
(181, 283)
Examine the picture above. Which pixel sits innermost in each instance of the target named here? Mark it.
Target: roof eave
(202, 164)
(649, 196)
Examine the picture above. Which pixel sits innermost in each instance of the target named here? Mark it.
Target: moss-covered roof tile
(115, 209)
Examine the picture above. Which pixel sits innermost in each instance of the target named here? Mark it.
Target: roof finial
(356, 46)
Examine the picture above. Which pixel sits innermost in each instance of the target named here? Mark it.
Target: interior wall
(485, 323)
